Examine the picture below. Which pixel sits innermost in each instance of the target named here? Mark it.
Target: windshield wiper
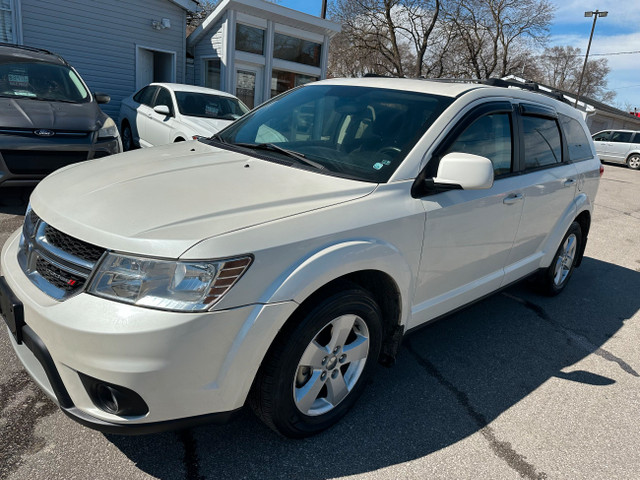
(275, 148)
(218, 138)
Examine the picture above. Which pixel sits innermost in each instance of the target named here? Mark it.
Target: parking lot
(516, 386)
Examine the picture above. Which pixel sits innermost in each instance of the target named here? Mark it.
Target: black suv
(48, 116)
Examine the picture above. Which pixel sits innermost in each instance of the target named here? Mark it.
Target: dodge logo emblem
(44, 133)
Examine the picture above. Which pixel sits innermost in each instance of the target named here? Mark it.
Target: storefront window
(282, 81)
(212, 73)
(296, 50)
(249, 39)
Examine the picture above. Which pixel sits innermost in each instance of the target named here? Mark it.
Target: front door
(469, 233)
(249, 85)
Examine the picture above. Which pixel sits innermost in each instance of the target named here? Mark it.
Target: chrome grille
(57, 263)
(58, 277)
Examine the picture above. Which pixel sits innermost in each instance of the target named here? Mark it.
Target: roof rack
(33, 49)
(500, 82)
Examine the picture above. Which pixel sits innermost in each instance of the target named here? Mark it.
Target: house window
(212, 73)
(249, 39)
(7, 28)
(282, 81)
(296, 50)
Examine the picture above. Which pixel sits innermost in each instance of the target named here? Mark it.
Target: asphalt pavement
(516, 386)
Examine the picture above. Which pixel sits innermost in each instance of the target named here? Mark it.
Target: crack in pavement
(503, 450)
(17, 436)
(575, 338)
(190, 458)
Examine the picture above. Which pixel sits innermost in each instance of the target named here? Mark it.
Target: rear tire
(555, 278)
(316, 369)
(127, 138)
(633, 161)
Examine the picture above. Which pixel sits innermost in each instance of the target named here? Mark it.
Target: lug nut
(343, 357)
(324, 360)
(323, 376)
(334, 374)
(335, 350)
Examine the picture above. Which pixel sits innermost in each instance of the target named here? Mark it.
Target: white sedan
(163, 113)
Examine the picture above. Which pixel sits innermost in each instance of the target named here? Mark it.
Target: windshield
(360, 132)
(210, 106)
(41, 81)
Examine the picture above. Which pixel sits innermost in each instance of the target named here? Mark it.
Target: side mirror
(464, 170)
(162, 110)
(102, 98)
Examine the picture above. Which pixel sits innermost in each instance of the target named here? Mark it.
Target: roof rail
(500, 82)
(32, 49)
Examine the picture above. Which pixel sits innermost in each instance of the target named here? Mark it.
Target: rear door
(549, 186)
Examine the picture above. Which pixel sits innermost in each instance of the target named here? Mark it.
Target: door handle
(569, 182)
(513, 198)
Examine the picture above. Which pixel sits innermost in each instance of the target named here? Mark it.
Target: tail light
(601, 169)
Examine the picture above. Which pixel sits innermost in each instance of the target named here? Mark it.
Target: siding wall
(209, 46)
(99, 38)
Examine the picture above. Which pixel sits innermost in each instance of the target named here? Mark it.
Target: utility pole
(324, 9)
(595, 16)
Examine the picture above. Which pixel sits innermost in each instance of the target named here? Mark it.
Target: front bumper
(189, 368)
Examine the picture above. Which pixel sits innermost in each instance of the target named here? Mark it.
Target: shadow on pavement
(451, 380)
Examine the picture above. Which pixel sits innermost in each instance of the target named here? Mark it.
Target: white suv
(278, 261)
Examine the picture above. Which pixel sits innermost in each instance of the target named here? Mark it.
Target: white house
(256, 49)
(117, 46)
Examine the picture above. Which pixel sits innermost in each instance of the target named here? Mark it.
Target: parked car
(48, 116)
(204, 274)
(163, 113)
(619, 146)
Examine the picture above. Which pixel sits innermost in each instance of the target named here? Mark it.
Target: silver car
(618, 146)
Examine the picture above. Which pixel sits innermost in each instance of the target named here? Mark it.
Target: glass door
(249, 85)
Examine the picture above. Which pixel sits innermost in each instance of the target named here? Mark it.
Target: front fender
(334, 261)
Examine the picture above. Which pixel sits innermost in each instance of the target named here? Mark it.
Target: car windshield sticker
(378, 166)
(16, 80)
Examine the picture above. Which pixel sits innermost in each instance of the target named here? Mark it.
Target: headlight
(166, 284)
(108, 130)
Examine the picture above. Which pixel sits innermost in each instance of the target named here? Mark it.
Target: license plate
(11, 310)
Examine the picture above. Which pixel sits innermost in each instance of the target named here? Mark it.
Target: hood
(28, 114)
(162, 201)
(205, 126)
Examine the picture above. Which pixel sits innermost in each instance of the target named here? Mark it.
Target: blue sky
(618, 32)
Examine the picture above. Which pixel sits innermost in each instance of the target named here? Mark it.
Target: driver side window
(489, 136)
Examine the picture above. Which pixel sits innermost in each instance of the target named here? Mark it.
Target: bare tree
(491, 34)
(561, 67)
(392, 35)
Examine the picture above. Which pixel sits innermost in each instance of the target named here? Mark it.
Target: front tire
(315, 371)
(633, 161)
(555, 278)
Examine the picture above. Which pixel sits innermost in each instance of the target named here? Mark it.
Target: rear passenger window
(577, 141)
(621, 137)
(542, 143)
(490, 137)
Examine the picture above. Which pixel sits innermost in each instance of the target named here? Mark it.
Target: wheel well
(386, 293)
(178, 139)
(584, 220)
(125, 123)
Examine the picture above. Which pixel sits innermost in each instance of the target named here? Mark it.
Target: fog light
(114, 399)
